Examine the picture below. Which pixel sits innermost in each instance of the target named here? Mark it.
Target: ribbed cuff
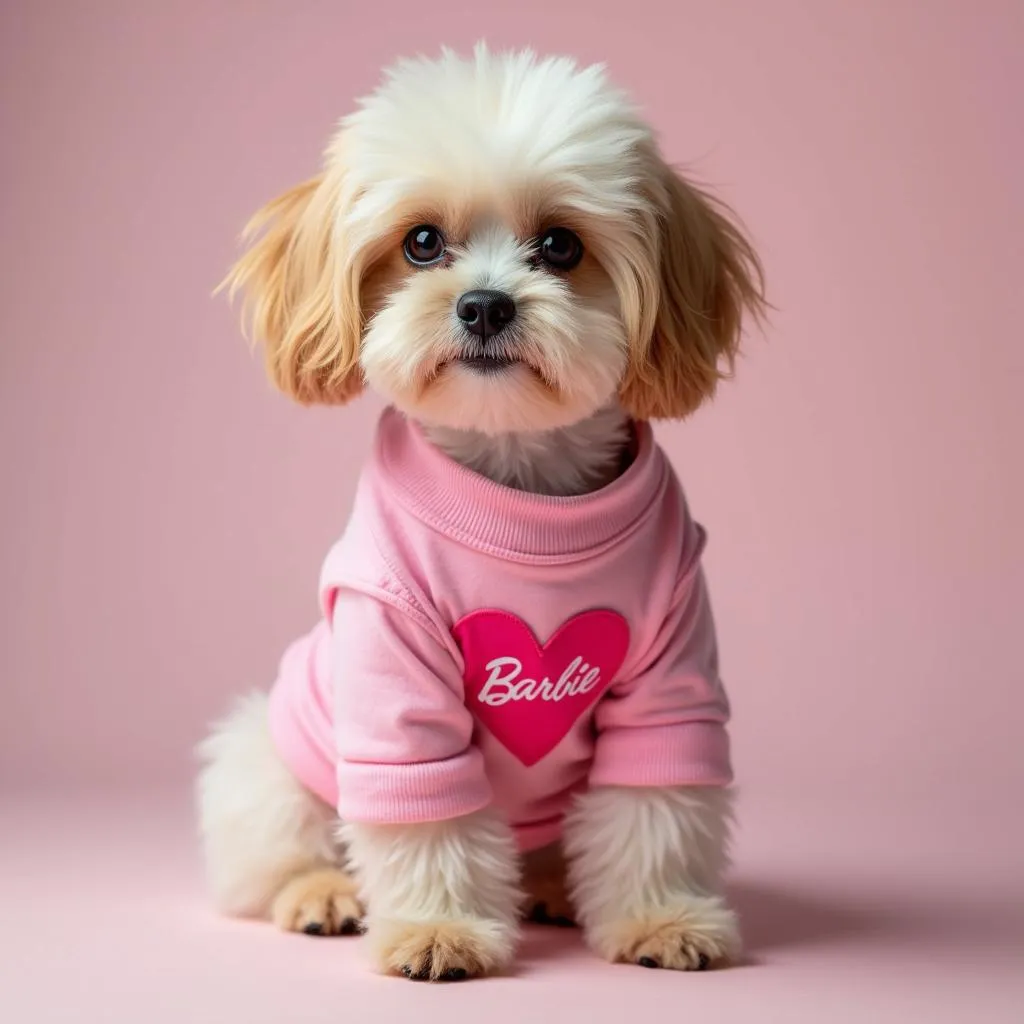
(396, 794)
(688, 754)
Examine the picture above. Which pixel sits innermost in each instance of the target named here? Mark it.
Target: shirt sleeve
(403, 732)
(665, 725)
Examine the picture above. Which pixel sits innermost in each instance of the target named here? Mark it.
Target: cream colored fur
(494, 151)
(260, 828)
(645, 871)
(442, 897)
(566, 461)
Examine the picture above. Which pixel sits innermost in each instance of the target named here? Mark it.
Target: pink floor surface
(849, 915)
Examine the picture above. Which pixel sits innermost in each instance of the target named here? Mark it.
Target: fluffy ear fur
(708, 276)
(300, 295)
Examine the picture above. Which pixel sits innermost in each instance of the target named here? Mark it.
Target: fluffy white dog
(496, 246)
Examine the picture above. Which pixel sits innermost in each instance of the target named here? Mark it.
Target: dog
(511, 706)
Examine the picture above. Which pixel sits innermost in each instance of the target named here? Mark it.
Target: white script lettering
(504, 682)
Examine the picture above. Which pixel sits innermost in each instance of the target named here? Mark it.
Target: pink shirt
(483, 645)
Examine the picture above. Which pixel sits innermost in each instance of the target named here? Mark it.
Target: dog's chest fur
(569, 461)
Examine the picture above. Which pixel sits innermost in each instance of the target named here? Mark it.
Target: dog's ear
(301, 295)
(705, 278)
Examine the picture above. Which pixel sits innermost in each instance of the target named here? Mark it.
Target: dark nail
(423, 974)
(350, 926)
(703, 961)
(314, 928)
(407, 970)
(454, 974)
(646, 961)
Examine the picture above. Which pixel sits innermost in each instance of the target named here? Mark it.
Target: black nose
(486, 312)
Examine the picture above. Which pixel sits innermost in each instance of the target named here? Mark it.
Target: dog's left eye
(424, 245)
(560, 248)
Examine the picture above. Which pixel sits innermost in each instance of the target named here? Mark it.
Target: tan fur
(321, 902)
(708, 277)
(301, 298)
(690, 939)
(436, 950)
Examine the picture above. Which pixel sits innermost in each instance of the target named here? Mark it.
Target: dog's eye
(424, 245)
(560, 248)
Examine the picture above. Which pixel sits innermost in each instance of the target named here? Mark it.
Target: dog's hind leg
(269, 844)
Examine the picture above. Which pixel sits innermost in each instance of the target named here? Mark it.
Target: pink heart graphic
(529, 696)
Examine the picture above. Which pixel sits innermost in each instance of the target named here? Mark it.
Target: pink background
(164, 513)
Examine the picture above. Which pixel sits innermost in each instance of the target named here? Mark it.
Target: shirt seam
(404, 602)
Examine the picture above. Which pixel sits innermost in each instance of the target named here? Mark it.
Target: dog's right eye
(424, 245)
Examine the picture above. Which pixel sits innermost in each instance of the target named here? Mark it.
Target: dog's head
(497, 244)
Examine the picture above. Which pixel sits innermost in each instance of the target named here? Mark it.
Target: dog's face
(496, 245)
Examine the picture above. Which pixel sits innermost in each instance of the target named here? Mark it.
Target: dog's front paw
(440, 950)
(693, 934)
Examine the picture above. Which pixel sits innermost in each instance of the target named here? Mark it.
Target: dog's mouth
(494, 366)
(486, 364)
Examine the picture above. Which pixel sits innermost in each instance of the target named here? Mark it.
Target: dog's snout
(485, 312)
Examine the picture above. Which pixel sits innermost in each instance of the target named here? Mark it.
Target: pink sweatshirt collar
(509, 523)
